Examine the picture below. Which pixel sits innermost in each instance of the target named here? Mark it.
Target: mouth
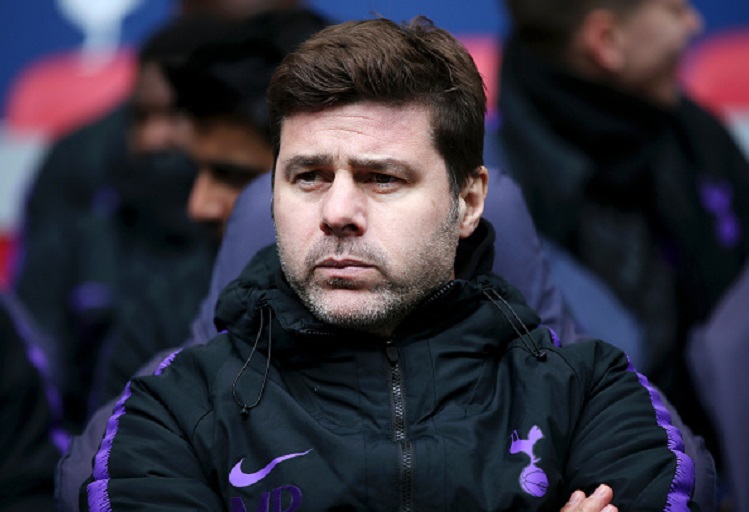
(347, 263)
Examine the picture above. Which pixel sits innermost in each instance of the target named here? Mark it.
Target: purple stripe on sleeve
(166, 362)
(554, 336)
(98, 494)
(682, 484)
(40, 360)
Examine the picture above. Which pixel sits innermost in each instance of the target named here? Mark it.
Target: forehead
(152, 87)
(403, 131)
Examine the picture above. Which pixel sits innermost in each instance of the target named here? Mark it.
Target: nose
(344, 208)
(209, 200)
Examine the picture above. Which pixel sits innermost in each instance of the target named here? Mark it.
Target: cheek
(294, 222)
(409, 227)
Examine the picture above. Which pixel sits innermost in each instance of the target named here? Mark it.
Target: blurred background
(66, 62)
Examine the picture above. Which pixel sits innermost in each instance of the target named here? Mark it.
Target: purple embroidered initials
(288, 496)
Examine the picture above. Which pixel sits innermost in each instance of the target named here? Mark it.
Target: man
(84, 274)
(372, 361)
(642, 187)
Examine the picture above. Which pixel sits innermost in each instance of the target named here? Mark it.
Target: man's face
(156, 124)
(365, 221)
(229, 156)
(654, 36)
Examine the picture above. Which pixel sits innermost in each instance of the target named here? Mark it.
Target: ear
(601, 40)
(472, 201)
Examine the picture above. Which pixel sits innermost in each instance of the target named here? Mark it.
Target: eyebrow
(389, 165)
(302, 162)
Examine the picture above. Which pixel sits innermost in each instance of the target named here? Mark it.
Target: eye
(383, 179)
(381, 182)
(307, 177)
(308, 180)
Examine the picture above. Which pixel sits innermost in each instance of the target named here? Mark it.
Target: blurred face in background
(652, 39)
(229, 155)
(155, 124)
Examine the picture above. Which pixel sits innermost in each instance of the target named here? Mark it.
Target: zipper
(398, 407)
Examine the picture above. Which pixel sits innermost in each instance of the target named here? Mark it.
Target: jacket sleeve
(76, 464)
(146, 460)
(624, 438)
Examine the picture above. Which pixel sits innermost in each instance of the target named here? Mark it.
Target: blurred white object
(101, 24)
(20, 156)
(738, 122)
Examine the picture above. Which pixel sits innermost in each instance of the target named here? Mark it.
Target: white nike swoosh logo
(240, 479)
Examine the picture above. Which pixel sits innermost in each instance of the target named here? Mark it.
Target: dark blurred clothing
(654, 202)
(162, 267)
(29, 454)
(88, 282)
(59, 202)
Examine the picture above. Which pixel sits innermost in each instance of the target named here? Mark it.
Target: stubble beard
(382, 307)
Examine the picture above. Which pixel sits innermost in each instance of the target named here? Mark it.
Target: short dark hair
(227, 79)
(381, 61)
(173, 43)
(548, 26)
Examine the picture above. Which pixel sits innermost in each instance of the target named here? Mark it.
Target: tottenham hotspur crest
(533, 480)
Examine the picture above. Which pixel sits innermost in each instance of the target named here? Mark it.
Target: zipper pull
(391, 351)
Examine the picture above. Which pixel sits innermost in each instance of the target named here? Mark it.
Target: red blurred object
(716, 71)
(486, 51)
(61, 92)
(8, 244)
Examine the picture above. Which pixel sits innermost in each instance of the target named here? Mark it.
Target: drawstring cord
(245, 407)
(526, 338)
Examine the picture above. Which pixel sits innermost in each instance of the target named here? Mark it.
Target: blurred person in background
(221, 88)
(625, 175)
(126, 234)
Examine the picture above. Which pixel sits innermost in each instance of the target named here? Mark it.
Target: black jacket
(470, 405)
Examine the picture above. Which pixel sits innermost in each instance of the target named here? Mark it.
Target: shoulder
(591, 361)
(197, 362)
(704, 128)
(193, 368)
